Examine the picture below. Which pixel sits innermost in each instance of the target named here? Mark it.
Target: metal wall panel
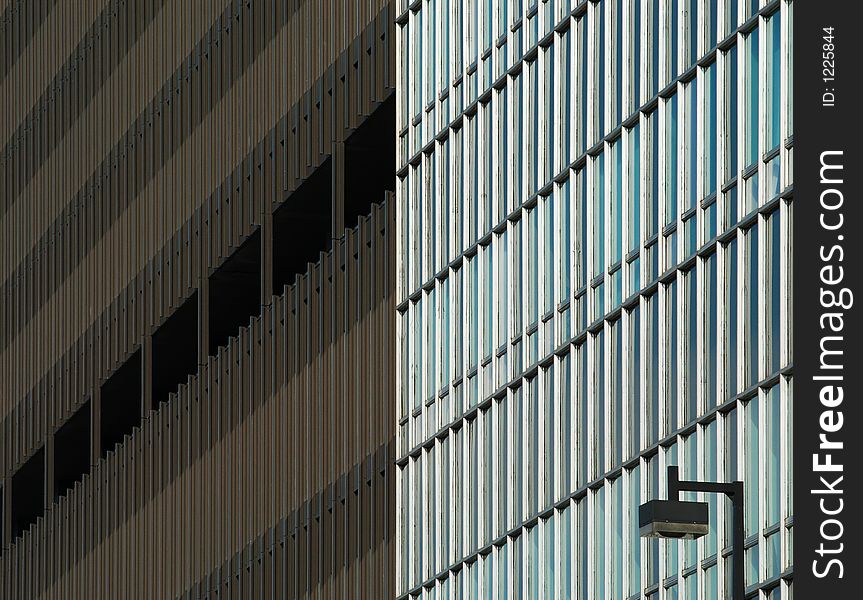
(143, 142)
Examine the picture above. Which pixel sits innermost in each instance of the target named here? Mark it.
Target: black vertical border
(819, 128)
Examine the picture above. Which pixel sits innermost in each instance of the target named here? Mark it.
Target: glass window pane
(731, 100)
(731, 319)
(710, 327)
(710, 131)
(598, 436)
(598, 218)
(776, 325)
(616, 203)
(730, 471)
(691, 349)
(751, 291)
(652, 368)
(634, 549)
(751, 476)
(634, 193)
(671, 167)
(751, 91)
(634, 386)
(773, 447)
(671, 357)
(598, 543)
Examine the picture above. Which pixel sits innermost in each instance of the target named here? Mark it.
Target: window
(486, 206)
(616, 391)
(565, 460)
(566, 550)
(517, 256)
(598, 437)
(692, 31)
(405, 373)
(489, 301)
(713, 23)
(731, 302)
(710, 130)
(446, 251)
(634, 194)
(731, 469)
(711, 473)
(517, 437)
(548, 111)
(732, 14)
(617, 105)
(457, 26)
(503, 199)
(431, 361)
(532, 223)
(534, 128)
(549, 226)
(774, 287)
(431, 50)
(565, 245)
(473, 202)
(731, 101)
(616, 535)
(652, 368)
(634, 545)
(459, 189)
(691, 169)
(673, 53)
(635, 54)
(774, 93)
(547, 459)
(548, 557)
(583, 82)
(689, 472)
(671, 168)
(583, 431)
(598, 546)
(751, 475)
(445, 51)
(458, 321)
(750, 290)
(616, 208)
(416, 362)
(517, 150)
(751, 94)
(690, 407)
(601, 57)
(417, 71)
(772, 456)
(584, 549)
(533, 423)
(652, 209)
(505, 286)
(634, 385)
(598, 216)
(654, 40)
(565, 118)
(671, 546)
(582, 226)
(653, 491)
(710, 330)
(671, 357)
(472, 293)
(489, 458)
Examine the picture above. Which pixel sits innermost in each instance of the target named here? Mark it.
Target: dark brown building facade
(196, 298)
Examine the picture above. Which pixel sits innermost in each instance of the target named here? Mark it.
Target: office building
(594, 206)
(196, 299)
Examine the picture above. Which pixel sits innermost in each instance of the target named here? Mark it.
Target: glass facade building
(594, 207)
